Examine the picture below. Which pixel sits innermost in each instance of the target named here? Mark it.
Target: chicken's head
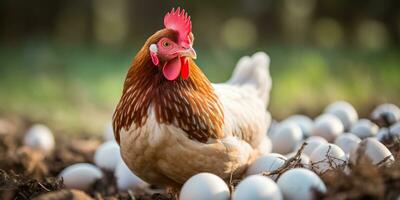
(171, 47)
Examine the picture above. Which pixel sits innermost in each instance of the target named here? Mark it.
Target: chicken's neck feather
(188, 104)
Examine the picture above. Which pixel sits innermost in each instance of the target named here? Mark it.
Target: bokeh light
(239, 33)
(372, 34)
(327, 32)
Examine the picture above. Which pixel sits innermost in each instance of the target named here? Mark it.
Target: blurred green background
(63, 62)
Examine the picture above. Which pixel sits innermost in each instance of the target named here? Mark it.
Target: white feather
(254, 70)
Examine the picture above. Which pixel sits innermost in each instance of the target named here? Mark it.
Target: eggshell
(298, 184)
(126, 179)
(266, 163)
(327, 155)
(344, 111)
(386, 114)
(364, 128)
(383, 134)
(265, 146)
(373, 149)
(40, 137)
(257, 187)
(272, 128)
(80, 176)
(286, 137)
(304, 122)
(395, 130)
(107, 155)
(312, 143)
(108, 132)
(304, 159)
(204, 186)
(347, 142)
(390, 133)
(327, 126)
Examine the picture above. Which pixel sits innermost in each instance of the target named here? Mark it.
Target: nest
(27, 174)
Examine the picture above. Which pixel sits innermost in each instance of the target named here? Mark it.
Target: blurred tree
(121, 21)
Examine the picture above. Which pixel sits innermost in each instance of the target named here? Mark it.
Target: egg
(272, 128)
(40, 137)
(304, 159)
(395, 130)
(107, 155)
(108, 132)
(304, 122)
(389, 133)
(327, 156)
(286, 137)
(204, 186)
(299, 183)
(386, 114)
(266, 163)
(312, 143)
(265, 146)
(328, 126)
(372, 149)
(257, 187)
(347, 142)
(364, 128)
(383, 134)
(126, 179)
(344, 111)
(80, 176)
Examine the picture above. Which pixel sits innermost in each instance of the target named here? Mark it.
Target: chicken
(172, 123)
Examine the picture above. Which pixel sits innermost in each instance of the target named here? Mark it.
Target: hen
(172, 123)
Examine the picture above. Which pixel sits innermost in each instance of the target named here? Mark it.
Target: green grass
(75, 88)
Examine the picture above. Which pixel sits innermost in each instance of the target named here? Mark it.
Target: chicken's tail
(254, 70)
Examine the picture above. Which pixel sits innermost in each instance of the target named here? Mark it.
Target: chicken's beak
(188, 52)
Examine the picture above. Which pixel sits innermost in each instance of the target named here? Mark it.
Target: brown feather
(189, 104)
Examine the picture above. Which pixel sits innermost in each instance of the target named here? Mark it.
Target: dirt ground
(29, 174)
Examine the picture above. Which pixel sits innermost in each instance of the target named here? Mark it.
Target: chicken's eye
(166, 44)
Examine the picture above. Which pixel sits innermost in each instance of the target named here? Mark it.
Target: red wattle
(185, 68)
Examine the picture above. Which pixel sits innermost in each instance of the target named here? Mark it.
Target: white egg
(312, 143)
(265, 146)
(395, 130)
(304, 122)
(304, 158)
(390, 133)
(108, 132)
(204, 186)
(257, 187)
(299, 183)
(272, 127)
(40, 137)
(327, 156)
(107, 155)
(266, 163)
(80, 176)
(347, 142)
(373, 149)
(364, 128)
(383, 134)
(344, 111)
(316, 138)
(286, 137)
(328, 126)
(386, 114)
(126, 179)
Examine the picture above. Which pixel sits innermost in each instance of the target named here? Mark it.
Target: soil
(30, 174)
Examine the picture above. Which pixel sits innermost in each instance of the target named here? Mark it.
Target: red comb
(179, 21)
